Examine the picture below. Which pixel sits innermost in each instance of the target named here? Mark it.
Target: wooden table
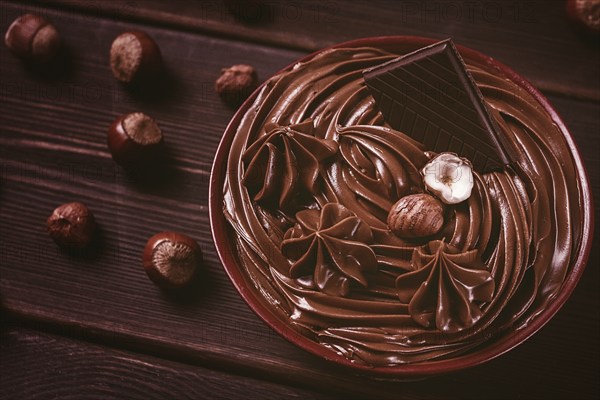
(94, 326)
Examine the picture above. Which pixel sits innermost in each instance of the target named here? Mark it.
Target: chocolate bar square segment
(430, 96)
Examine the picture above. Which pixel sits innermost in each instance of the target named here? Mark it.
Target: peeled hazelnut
(586, 14)
(236, 83)
(135, 57)
(32, 37)
(72, 225)
(171, 259)
(416, 216)
(449, 177)
(134, 139)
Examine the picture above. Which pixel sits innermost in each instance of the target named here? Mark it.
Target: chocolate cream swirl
(313, 169)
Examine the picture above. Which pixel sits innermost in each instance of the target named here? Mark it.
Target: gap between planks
(245, 33)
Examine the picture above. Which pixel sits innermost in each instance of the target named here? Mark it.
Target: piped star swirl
(447, 288)
(284, 162)
(330, 244)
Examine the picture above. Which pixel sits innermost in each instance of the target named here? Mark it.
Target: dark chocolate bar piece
(430, 96)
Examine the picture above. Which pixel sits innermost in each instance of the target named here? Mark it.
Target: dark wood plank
(54, 367)
(52, 134)
(533, 37)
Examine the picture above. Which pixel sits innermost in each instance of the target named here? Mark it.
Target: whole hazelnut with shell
(416, 216)
(33, 38)
(134, 139)
(135, 57)
(171, 259)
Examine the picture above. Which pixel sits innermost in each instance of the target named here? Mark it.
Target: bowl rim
(219, 228)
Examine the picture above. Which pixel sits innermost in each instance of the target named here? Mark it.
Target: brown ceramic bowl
(223, 234)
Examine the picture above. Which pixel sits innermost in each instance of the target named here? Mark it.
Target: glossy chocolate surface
(311, 175)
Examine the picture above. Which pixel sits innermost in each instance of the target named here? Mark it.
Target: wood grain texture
(52, 150)
(54, 367)
(533, 37)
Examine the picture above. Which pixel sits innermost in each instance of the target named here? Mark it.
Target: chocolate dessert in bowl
(397, 208)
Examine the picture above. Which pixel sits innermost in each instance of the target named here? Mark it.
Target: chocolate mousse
(313, 173)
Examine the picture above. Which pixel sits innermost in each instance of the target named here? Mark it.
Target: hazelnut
(416, 216)
(236, 83)
(135, 57)
(586, 14)
(32, 37)
(449, 177)
(171, 259)
(134, 139)
(72, 225)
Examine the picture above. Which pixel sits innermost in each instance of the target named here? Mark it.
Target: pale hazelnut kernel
(449, 177)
